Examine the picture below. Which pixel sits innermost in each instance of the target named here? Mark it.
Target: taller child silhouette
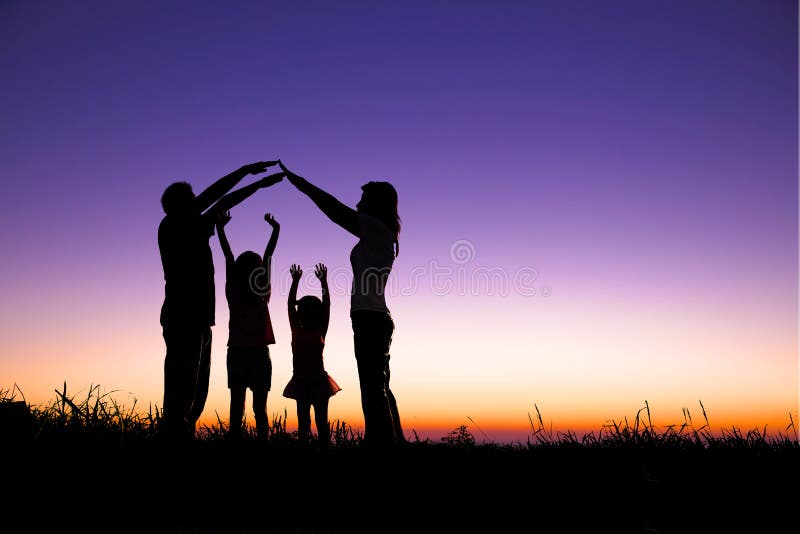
(187, 314)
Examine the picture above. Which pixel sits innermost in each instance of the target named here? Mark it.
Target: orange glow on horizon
(582, 362)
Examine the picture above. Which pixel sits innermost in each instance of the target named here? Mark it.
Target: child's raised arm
(270, 250)
(296, 273)
(224, 218)
(322, 273)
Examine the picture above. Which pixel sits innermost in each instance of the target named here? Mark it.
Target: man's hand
(259, 167)
(272, 179)
(296, 272)
(223, 218)
(321, 272)
(271, 220)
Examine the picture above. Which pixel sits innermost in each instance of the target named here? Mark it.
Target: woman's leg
(303, 420)
(372, 336)
(260, 412)
(237, 410)
(398, 428)
(321, 418)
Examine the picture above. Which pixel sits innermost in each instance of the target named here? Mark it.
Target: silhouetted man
(188, 311)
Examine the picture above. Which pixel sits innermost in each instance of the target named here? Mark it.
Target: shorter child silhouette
(248, 288)
(310, 384)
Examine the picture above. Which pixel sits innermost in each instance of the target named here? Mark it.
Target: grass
(84, 462)
(95, 414)
(643, 433)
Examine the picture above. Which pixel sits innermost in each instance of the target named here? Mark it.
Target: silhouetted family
(187, 314)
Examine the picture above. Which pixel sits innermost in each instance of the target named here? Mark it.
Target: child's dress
(309, 380)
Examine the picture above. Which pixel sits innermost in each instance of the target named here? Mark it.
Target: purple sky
(640, 155)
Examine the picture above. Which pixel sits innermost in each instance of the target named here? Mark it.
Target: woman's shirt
(372, 260)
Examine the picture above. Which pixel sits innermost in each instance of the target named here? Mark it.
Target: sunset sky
(599, 199)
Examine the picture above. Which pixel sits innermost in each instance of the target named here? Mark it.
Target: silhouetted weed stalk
(642, 433)
(95, 413)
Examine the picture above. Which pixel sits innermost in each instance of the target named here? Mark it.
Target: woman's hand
(296, 272)
(321, 272)
(271, 220)
(258, 168)
(292, 177)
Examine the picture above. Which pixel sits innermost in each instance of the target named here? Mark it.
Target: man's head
(177, 198)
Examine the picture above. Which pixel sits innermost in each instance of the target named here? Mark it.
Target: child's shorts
(249, 368)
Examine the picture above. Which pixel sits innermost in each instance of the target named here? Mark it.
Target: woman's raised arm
(343, 215)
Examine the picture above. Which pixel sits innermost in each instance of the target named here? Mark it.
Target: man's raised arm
(215, 191)
(232, 199)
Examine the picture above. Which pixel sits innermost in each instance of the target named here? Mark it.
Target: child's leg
(303, 420)
(321, 418)
(260, 411)
(237, 409)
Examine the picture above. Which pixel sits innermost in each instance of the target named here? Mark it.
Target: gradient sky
(640, 158)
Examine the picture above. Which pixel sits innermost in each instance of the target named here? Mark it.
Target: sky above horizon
(599, 201)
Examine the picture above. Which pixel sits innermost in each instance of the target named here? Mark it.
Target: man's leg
(180, 374)
(201, 377)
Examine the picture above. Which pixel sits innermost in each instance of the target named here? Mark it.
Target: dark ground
(216, 486)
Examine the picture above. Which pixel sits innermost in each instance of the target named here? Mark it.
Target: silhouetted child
(248, 288)
(310, 384)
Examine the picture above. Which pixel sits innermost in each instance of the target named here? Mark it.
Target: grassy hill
(87, 465)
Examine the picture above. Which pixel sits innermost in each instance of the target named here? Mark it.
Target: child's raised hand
(296, 272)
(321, 272)
(223, 218)
(271, 220)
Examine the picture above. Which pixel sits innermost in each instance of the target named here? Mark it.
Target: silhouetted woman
(377, 225)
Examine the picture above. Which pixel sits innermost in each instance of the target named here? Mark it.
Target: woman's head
(310, 312)
(246, 269)
(177, 198)
(379, 199)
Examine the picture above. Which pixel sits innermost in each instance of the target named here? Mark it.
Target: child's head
(246, 273)
(310, 312)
